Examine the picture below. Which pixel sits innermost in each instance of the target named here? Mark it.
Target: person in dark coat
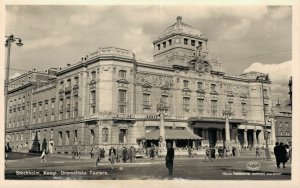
(124, 152)
(112, 155)
(170, 158)
(277, 153)
(282, 154)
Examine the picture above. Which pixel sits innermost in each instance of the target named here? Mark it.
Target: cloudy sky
(246, 38)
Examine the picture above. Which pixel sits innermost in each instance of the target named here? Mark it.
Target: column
(194, 144)
(273, 137)
(174, 143)
(254, 138)
(205, 137)
(227, 129)
(245, 138)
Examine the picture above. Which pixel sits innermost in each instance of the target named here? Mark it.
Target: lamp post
(162, 109)
(265, 78)
(9, 40)
(227, 115)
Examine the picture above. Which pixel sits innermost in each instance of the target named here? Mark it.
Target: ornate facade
(110, 98)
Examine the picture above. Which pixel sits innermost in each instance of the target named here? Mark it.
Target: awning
(171, 134)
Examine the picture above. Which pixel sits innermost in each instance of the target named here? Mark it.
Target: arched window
(105, 135)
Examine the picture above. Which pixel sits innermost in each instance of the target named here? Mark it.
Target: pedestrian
(73, 153)
(124, 153)
(112, 155)
(207, 154)
(190, 152)
(132, 154)
(43, 156)
(257, 152)
(234, 151)
(220, 152)
(213, 153)
(92, 152)
(79, 152)
(170, 158)
(152, 150)
(98, 157)
(277, 154)
(282, 154)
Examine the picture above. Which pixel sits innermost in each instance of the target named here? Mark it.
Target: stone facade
(110, 98)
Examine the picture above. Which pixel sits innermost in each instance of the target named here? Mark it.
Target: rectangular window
(170, 42)
(75, 101)
(92, 136)
(93, 75)
(75, 113)
(122, 96)
(122, 109)
(22, 137)
(51, 134)
(146, 99)
(93, 97)
(244, 110)
(68, 102)
(60, 138)
(164, 44)
(61, 104)
(76, 81)
(52, 104)
(75, 135)
(46, 105)
(185, 41)
(40, 119)
(17, 137)
(200, 43)
(33, 135)
(230, 105)
(185, 83)
(67, 141)
(193, 42)
(122, 135)
(266, 109)
(122, 74)
(52, 117)
(214, 108)
(199, 84)
(200, 104)
(165, 99)
(186, 104)
(213, 87)
(60, 117)
(158, 47)
(105, 134)
(68, 114)
(40, 106)
(45, 118)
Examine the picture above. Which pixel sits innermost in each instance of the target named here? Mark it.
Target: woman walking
(43, 156)
(112, 155)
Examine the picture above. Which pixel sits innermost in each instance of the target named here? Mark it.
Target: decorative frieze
(154, 80)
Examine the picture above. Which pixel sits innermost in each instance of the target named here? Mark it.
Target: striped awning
(171, 134)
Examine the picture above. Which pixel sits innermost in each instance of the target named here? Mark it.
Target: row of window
(68, 83)
(186, 41)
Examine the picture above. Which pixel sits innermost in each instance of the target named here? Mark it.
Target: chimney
(68, 64)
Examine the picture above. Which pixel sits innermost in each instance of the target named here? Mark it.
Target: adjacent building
(110, 98)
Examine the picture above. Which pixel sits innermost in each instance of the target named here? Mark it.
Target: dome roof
(179, 27)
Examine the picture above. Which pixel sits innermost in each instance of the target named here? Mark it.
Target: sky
(246, 38)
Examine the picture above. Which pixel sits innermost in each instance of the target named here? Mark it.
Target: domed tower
(177, 44)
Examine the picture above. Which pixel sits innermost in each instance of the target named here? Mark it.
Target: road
(23, 166)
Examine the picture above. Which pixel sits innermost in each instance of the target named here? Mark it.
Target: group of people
(282, 154)
(223, 151)
(115, 155)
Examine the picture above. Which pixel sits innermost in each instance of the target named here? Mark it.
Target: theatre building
(110, 98)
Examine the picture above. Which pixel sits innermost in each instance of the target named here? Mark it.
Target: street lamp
(162, 109)
(9, 40)
(227, 115)
(262, 79)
